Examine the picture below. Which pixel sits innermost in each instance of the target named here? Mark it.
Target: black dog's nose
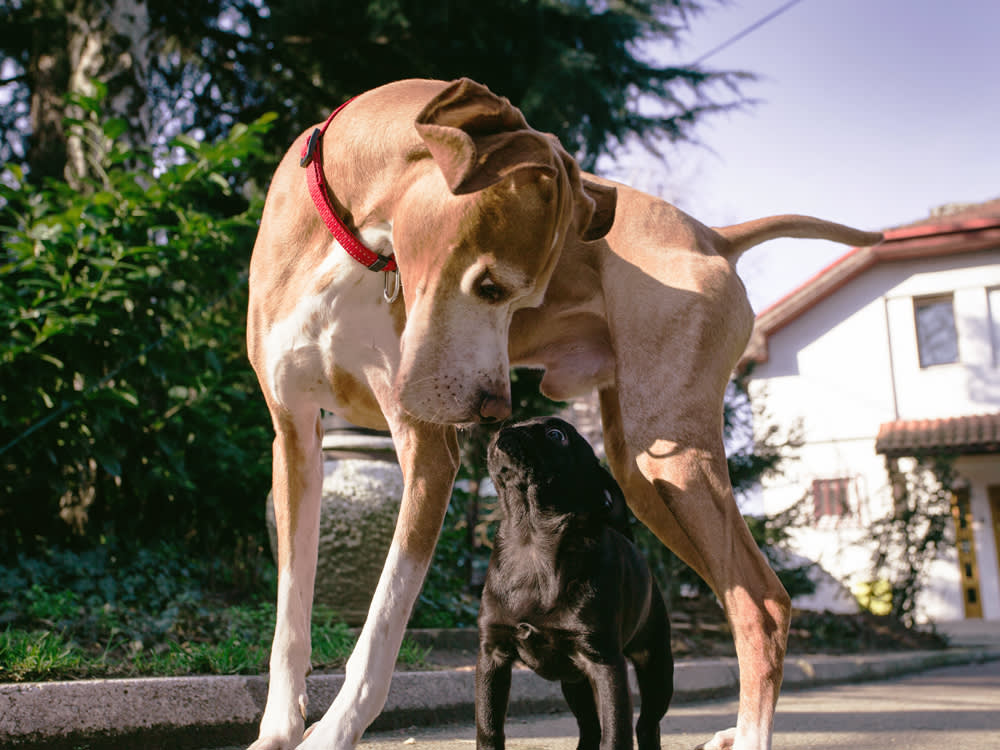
(502, 442)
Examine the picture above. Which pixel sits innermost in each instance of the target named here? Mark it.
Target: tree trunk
(87, 41)
(48, 79)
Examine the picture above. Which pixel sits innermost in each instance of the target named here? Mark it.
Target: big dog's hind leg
(677, 483)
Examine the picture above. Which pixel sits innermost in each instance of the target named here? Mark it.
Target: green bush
(110, 612)
(128, 594)
(446, 600)
(126, 401)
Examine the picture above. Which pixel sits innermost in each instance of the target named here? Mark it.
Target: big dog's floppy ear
(477, 138)
(605, 199)
(595, 202)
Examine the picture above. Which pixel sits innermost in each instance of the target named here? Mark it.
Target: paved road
(955, 707)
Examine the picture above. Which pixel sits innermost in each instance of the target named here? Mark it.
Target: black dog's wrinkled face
(545, 465)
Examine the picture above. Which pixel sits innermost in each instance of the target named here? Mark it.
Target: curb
(196, 712)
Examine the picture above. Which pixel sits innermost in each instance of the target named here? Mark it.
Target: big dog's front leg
(297, 488)
(428, 455)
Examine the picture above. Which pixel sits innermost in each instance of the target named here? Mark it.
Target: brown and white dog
(499, 245)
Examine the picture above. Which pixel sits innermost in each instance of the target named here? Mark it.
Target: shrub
(446, 600)
(126, 402)
(110, 612)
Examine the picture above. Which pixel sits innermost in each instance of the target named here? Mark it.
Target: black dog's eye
(608, 500)
(557, 436)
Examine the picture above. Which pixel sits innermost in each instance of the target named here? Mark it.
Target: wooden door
(994, 494)
(961, 511)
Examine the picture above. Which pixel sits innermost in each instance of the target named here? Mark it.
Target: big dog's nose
(493, 408)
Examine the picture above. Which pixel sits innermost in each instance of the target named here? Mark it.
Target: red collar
(312, 160)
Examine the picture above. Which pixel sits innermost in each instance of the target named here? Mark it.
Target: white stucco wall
(970, 386)
(849, 364)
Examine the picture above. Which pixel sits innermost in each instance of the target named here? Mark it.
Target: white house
(893, 352)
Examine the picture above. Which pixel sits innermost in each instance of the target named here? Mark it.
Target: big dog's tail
(741, 237)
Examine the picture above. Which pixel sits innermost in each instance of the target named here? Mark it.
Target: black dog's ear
(615, 504)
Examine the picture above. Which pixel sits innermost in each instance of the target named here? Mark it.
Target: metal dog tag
(396, 286)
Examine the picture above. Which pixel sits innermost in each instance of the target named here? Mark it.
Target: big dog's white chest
(339, 341)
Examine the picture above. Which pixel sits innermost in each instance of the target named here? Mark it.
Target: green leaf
(109, 463)
(128, 397)
(238, 131)
(52, 360)
(221, 181)
(186, 142)
(115, 127)
(46, 398)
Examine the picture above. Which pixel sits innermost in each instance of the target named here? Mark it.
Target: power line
(751, 28)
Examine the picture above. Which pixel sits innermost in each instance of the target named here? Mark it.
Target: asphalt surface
(192, 713)
(197, 713)
(953, 707)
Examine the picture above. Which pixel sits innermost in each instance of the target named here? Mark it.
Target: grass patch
(114, 615)
(31, 656)
(47, 655)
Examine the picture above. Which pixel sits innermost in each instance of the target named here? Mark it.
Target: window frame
(993, 313)
(826, 504)
(922, 343)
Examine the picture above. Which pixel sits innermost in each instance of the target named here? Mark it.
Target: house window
(937, 338)
(830, 497)
(993, 298)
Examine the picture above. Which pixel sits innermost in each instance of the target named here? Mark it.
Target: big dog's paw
(322, 736)
(723, 740)
(281, 730)
(273, 743)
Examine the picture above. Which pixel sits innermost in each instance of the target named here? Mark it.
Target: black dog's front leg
(492, 693)
(614, 704)
(580, 697)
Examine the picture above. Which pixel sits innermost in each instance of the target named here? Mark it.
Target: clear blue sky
(871, 112)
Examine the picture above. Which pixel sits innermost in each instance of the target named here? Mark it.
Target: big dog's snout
(494, 407)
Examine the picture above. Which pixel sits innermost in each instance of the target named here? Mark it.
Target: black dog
(567, 592)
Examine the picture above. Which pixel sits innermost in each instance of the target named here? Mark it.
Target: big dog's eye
(557, 436)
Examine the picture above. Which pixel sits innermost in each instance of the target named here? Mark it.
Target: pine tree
(577, 69)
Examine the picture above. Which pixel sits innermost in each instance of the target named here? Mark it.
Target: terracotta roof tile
(958, 212)
(979, 433)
